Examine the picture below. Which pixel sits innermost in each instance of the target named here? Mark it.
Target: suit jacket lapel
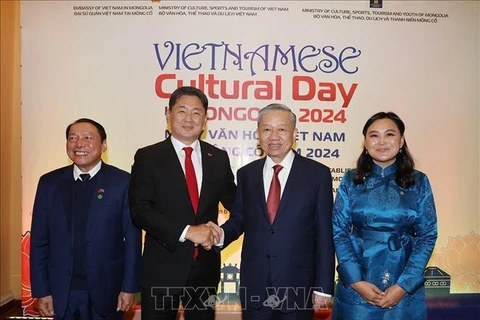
(64, 192)
(208, 166)
(175, 171)
(258, 181)
(294, 179)
(96, 202)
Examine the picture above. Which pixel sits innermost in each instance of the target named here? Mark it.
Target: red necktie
(191, 185)
(273, 200)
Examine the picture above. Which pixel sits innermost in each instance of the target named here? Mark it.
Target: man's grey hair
(277, 106)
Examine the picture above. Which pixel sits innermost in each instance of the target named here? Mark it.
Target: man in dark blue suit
(85, 251)
(283, 206)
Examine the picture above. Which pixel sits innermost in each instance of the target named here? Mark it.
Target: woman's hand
(368, 291)
(393, 295)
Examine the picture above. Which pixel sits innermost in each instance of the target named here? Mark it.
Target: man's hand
(393, 295)
(368, 291)
(203, 235)
(217, 231)
(125, 301)
(45, 306)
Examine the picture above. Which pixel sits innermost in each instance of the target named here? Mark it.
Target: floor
(14, 309)
(11, 309)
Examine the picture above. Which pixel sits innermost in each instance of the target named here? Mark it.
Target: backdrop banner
(334, 63)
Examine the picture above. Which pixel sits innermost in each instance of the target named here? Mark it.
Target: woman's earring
(400, 150)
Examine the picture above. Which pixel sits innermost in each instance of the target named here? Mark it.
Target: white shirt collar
(286, 162)
(92, 172)
(178, 146)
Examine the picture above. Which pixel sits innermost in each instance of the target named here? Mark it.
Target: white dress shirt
(282, 175)
(196, 158)
(197, 165)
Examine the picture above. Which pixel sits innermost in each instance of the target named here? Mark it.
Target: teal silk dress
(384, 234)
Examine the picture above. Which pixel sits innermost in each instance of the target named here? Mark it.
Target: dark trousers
(80, 308)
(197, 298)
(267, 313)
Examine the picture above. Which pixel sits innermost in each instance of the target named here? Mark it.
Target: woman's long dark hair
(404, 160)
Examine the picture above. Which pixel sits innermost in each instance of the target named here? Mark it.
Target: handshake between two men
(206, 235)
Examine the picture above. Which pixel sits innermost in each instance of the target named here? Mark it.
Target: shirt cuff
(222, 239)
(184, 233)
(326, 295)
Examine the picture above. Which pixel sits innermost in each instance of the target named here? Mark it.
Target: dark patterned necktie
(85, 177)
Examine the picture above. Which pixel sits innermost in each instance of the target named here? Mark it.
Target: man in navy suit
(287, 255)
(85, 250)
(174, 197)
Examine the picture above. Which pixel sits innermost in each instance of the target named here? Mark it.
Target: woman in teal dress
(385, 228)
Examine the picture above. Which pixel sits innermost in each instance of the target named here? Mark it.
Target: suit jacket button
(272, 231)
(267, 256)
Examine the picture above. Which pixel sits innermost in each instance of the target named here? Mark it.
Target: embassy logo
(376, 3)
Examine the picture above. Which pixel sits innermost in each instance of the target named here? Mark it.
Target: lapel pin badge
(100, 193)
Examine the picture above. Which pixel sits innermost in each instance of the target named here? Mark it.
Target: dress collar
(384, 171)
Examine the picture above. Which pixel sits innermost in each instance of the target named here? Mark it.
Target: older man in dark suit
(85, 250)
(175, 191)
(284, 208)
